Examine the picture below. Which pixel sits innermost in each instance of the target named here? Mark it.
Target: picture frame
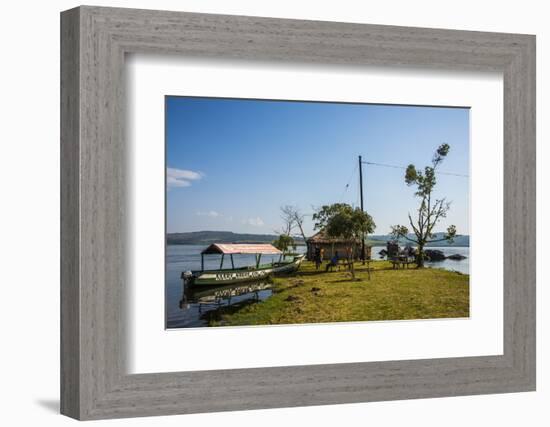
(94, 380)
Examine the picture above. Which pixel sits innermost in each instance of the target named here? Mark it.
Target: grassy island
(311, 296)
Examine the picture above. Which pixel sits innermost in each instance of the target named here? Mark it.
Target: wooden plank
(70, 219)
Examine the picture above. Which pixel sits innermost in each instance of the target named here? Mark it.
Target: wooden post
(232, 263)
(362, 208)
(221, 262)
(258, 261)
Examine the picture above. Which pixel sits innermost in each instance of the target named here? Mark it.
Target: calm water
(195, 310)
(462, 266)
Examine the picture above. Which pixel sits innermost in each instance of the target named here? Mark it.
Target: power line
(404, 167)
(349, 182)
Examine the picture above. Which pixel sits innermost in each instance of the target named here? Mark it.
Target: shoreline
(313, 296)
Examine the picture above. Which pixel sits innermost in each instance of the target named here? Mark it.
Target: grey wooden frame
(94, 41)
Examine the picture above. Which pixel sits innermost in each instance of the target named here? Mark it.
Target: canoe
(238, 275)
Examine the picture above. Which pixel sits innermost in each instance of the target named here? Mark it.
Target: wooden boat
(227, 276)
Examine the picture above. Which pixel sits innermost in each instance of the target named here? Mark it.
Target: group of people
(318, 259)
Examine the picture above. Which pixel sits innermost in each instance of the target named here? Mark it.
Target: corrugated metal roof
(241, 248)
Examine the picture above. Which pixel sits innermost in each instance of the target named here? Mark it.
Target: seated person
(333, 261)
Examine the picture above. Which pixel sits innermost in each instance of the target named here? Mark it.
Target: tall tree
(287, 217)
(292, 217)
(429, 212)
(340, 220)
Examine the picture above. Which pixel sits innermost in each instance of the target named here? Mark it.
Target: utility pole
(362, 208)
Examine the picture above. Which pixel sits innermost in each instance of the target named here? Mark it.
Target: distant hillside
(208, 237)
(380, 240)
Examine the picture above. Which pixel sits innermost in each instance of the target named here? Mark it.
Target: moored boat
(221, 276)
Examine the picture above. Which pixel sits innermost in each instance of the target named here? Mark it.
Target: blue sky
(232, 163)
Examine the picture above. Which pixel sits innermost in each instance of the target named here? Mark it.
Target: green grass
(316, 297)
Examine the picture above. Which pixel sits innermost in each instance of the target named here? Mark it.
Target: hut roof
(248, 248)
(321, 237)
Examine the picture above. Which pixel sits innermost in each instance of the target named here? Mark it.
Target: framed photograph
(304, 243)
(261, 213)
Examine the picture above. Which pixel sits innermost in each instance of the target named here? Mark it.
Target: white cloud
(211, 214)
(173, 182)
(254, 222)
(181, 177)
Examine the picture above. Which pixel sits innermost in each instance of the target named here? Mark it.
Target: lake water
(462, 266)
(195, 309)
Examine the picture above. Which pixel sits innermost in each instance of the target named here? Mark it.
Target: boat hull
(225, 277)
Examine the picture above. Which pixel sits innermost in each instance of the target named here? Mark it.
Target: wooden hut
(331, 245)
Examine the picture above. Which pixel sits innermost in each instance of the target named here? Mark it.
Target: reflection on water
(219, 294)
(206, 303)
